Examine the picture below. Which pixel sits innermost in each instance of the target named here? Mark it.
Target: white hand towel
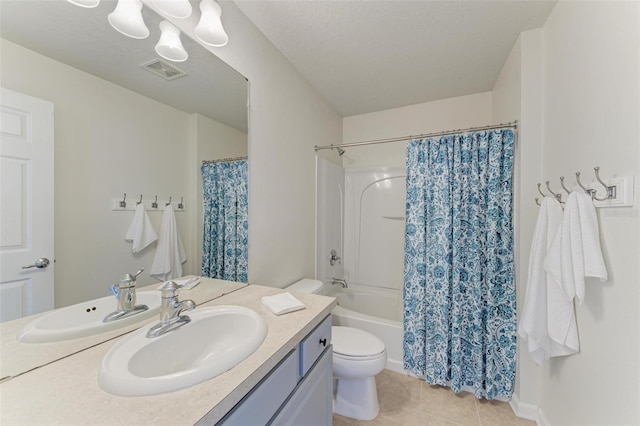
(141, 231)
(170, 255)
(579, 247)
(533, 322)
(185, 283)
(282, 303)
(591, 250)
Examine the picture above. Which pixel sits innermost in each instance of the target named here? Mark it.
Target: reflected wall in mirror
(118, 129)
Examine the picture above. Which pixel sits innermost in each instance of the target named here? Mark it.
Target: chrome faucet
(125, 292)
(341, 281)
(170, 310)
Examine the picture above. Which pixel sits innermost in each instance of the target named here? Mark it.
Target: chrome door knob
(41, 263)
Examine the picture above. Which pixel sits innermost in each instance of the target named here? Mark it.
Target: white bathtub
(378, 311)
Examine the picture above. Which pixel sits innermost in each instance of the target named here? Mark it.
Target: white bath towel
(586, 233)
(169, 257)
(533, 323)
(282, 303)
(140, 232)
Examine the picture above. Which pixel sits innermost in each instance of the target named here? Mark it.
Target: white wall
(575, 84)
(104, 147)
(517, 95)
(286, 119)
(591, 111)
(446, 114)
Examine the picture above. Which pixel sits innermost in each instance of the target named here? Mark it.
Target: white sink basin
(216, 340)
(85, 319)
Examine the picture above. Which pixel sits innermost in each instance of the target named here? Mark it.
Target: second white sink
(85, 319)
(216, 340)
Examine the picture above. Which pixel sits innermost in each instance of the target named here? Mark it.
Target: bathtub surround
(226, 227)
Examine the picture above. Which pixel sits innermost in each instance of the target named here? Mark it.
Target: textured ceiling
(83, 39)
(364, 56)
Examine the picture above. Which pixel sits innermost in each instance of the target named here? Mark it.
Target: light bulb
(174, 8)
(127, 19)
(85, 3)
(209, 30)
(169, 46)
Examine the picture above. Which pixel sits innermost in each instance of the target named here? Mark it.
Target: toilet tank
(307, 285)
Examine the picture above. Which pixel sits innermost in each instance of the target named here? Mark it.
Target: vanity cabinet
(298, 391)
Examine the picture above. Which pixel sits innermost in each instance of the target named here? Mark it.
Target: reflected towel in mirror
(170, 255)
(141, 232)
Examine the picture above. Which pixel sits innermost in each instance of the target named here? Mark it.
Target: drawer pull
(323, 342)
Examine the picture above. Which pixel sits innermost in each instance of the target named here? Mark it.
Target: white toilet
(357, 357)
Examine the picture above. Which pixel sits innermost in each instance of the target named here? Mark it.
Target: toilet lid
(354, 342)
(306, 285)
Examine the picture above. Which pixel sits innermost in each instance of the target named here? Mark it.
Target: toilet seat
(353, 343)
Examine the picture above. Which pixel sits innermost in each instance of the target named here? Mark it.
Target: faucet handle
(170, 289)
(128, 279)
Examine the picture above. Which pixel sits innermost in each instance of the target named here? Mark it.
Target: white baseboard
(524, 410)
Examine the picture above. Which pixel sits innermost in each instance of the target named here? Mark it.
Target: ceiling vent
(163, 69)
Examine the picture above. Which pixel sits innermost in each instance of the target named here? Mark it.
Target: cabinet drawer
(266, 398)
(313, 345)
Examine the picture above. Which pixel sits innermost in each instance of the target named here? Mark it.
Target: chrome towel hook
(168, 202)
(563, 186)
(154, 205)
(610, 190)
(540, 190)
(558, 196)
(180, 205)
(139, 202)
(123, 203)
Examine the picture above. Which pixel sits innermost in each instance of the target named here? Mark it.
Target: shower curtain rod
(513, 124)
(224, 159)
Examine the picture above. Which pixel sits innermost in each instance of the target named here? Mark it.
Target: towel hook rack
(154, 205)
(169, 201)
(180, 205)
(123, 203)
(563, 186)
(558, 196)
(139, 202)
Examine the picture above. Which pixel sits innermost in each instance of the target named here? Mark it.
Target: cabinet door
(311, 403)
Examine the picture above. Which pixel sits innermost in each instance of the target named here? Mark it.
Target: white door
(26, 205)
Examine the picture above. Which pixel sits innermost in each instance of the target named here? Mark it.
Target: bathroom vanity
(287, 380)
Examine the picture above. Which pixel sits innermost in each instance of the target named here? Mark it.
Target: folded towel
(533, 322)
(170, 255)
(141, 231)
(282, 303)
(185, 283)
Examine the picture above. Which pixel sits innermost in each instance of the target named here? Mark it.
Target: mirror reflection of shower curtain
(459, 288)
(225, 240)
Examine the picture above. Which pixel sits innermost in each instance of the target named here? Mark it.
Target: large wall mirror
(119, 128)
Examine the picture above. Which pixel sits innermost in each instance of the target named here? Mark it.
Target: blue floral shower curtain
(459, 290)
(226, 240)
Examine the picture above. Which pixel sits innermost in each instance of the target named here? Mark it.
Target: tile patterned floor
(407, 401)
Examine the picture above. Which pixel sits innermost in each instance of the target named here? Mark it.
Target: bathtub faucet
(341, 281)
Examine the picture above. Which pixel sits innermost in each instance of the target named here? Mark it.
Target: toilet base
(356, 398)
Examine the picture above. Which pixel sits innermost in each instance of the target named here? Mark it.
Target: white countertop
(66, 391)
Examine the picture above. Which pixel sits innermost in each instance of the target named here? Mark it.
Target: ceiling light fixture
(209, 30)
(85, 3)
(174, 8)
(169, 46)
(127, 19)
